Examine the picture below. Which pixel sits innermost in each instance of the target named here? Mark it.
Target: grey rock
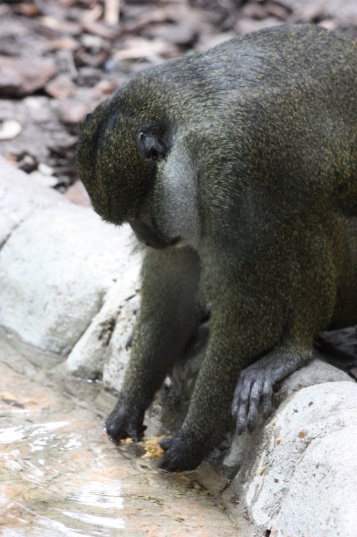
(298, 475)
(316, 372)
(101, 351)
(57, 262)
(69, 285)
(19, 197)
(118, 352)
(44, 179)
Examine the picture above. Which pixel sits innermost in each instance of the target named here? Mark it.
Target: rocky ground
(69, 288)
(60, 476)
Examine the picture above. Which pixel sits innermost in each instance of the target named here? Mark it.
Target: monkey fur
(237, 169)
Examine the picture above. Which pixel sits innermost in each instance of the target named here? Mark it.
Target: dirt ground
(59, 58)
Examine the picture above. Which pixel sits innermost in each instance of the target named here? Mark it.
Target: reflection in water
(98, 520)
(60, 477)
(11, 434)
(18, 434)
(104, 495)
(53, 493)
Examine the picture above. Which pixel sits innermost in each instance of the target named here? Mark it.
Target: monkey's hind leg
(255, 383)
(339, 348)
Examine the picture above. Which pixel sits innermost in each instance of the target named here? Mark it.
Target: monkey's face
(111, 164)
(133, 174)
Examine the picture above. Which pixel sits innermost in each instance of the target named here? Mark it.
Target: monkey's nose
(148, 237)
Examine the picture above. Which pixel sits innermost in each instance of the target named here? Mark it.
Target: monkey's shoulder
(273, 59)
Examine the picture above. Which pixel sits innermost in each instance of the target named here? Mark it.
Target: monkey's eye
(88, 116)
(151, 146)
(152, 154)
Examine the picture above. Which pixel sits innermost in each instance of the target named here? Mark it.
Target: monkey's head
(117, 157)
(124, 163)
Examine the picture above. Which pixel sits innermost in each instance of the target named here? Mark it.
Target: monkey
(339, 348)
(236, 169)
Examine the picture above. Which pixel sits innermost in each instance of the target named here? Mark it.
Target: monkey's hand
(182, 453)
(126, 420)
(255, 384)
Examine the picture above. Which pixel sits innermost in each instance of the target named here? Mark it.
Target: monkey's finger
(165, 443)
(242, 391)
(166, 465)
(254, 402)
(242, 402)
(235, 402)
(136, 432)
(246, 389)
(170, 462)
(252, 419)
(129, 341)
(241, 421)
(242, 414)
(113, 432)
(267, 398)
(116, 436)
(183, 454)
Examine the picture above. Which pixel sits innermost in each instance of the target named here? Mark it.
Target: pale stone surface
(19, 197)
(57, 263)
(321, 500)
(102, 348)
(68, 281)
(316, 372)
(55, 270)
(300, 479)
(118, 351)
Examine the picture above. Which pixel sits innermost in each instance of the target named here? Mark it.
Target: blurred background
(60, 58)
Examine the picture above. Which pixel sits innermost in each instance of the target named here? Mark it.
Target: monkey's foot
(256, 383)
(181, 453)
(126, 420)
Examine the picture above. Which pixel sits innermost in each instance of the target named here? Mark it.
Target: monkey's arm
(239, 332)
(168, 315)
(255, 383)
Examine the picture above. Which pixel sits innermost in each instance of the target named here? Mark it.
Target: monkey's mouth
(148, 237)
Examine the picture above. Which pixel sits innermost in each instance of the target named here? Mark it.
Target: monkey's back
(276, 58)
(288, 90)
(276, 108)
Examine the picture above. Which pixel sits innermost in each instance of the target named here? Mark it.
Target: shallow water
(60, 476)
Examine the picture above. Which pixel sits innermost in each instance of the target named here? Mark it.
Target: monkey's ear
(152, 146)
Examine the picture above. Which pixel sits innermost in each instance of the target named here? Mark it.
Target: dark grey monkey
(237, 168)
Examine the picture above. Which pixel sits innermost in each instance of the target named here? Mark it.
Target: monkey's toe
(125, 421)
(181, 454)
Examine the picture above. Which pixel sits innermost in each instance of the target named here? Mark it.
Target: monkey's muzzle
(148, 237)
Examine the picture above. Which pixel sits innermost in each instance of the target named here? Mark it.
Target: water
(61, 477)
(47, 489)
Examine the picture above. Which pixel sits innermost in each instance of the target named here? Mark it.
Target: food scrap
(152, 448)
